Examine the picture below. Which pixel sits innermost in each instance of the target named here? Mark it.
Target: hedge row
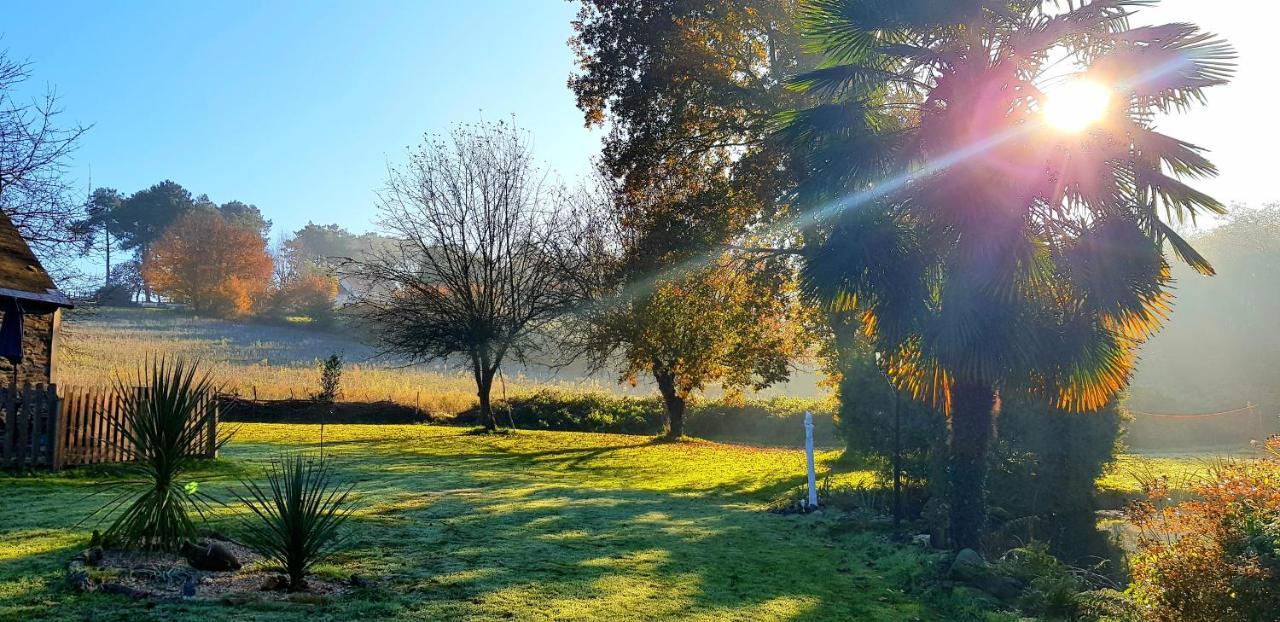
(776, 421)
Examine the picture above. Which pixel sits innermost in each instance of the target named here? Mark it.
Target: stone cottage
(27, 290)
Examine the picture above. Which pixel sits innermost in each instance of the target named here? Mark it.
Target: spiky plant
(296, 518)
(165, 413)
(984, 249)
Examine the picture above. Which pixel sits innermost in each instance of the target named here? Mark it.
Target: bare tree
(34, 192)
(478, 272)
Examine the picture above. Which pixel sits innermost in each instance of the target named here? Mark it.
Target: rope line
(1193, 415)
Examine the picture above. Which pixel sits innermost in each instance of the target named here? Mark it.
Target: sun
(1074, 106)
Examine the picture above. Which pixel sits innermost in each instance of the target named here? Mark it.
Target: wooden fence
(41, 429)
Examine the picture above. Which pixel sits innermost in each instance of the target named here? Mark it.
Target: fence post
(58, 427)
(211, 440)
(808, 452)
(10, 424)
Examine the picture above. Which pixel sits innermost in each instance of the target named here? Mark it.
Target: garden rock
(923, 540)
(211, 555)
(969, 566)
(275, 583)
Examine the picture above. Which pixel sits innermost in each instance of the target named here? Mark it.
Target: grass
(530, 526)
(1182, 470)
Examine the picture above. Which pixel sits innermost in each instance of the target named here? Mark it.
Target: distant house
(30, 312)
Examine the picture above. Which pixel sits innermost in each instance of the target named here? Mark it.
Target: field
(267, 361)
(531, 526)
(278, 362)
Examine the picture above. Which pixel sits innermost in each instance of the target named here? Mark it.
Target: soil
(309, 411)
(161, 576)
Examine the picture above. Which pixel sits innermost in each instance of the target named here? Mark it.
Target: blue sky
(295, 107)
(298, 107)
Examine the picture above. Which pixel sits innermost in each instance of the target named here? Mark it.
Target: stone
(922, 540)
(213, 556)
(969, 568)
(275, 583)
(969, 565)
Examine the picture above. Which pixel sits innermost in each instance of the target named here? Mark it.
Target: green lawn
(531, 526)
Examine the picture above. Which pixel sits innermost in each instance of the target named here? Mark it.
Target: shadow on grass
(475, 529)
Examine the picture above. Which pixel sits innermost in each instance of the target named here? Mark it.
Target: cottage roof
(21, 274)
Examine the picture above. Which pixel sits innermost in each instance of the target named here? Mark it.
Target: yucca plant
(164, 416)
(297, 516)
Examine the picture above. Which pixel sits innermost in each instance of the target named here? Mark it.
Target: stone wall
(38, 331)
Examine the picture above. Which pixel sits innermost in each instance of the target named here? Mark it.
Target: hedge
(776, 421)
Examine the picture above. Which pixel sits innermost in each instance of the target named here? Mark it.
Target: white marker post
(808, 450)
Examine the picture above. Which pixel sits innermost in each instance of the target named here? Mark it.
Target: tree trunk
(107, 235)
(972, 421)
(485, 385)
(673, 401)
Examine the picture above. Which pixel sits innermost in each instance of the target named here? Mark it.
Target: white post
(808, 450)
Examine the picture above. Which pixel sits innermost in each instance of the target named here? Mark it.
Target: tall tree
(688, 91)
(477, 271)
(984, 248)
(145, 215)
(34, 192)
(323, 248)
(246, 215)
(98, 229)
(213, 265)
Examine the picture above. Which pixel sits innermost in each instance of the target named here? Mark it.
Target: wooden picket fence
(42, 429)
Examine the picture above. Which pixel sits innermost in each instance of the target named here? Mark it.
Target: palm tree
(983, 248)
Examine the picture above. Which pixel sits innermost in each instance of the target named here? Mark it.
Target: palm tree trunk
(972, 421)
(673, 401)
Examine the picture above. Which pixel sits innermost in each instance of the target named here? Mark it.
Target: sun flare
(1076, 105)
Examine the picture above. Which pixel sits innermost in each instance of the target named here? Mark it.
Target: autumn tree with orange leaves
(216, 266)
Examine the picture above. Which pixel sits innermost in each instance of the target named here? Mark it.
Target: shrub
(1051, 588)
(766, 422)
(312, 294)
(871, 411)
(296, 518)
(582, 412)
(330, 379)
(163, 421)
(774, 421)
(1216, 557)
(115, 295)
(1042, 479)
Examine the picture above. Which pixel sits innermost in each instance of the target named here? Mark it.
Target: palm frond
(841, 80)
(1168, 67)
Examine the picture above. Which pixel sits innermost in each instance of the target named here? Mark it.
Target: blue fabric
(11, 331)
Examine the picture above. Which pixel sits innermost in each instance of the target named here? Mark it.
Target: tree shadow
(497, 531)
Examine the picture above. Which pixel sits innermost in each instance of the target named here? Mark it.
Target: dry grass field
(272, 362)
